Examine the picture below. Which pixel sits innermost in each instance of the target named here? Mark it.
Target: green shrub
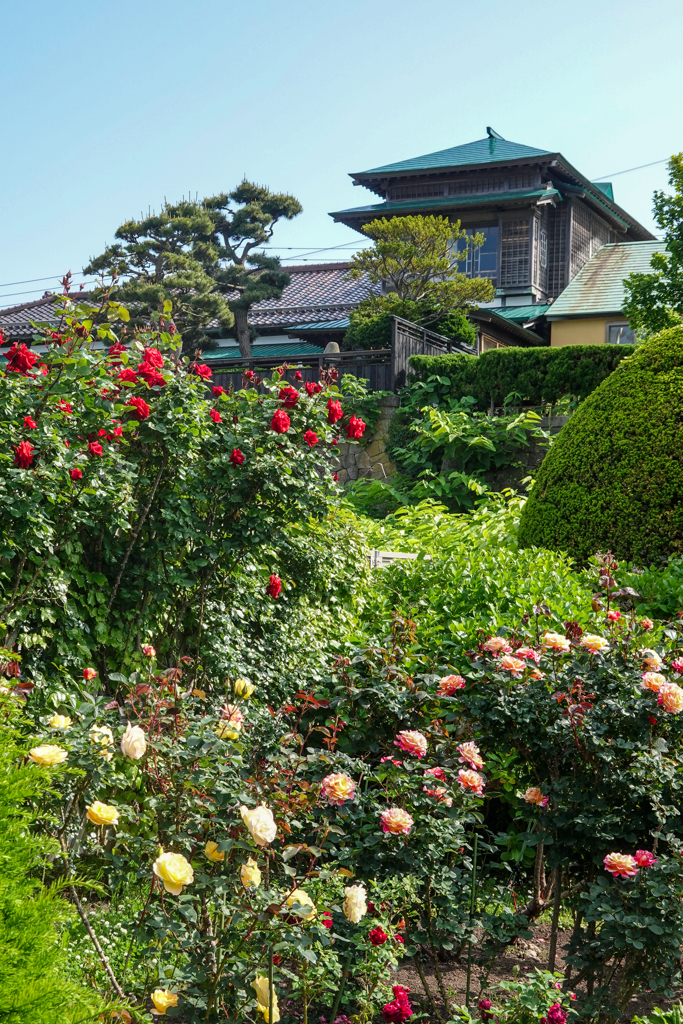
(614, 477)
(370, 326)
(33, 988)
(538, 375)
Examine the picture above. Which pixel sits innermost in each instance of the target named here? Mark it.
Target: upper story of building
(541, 218)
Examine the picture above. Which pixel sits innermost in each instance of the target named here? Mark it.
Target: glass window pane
(620, 334)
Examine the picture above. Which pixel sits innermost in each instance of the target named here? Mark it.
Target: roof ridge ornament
(494, 134)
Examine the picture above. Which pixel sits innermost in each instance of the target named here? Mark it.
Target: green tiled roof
(322, 325)
(483, 151)
(292, 348)
(521, 314)
(598, 287)
(443, 202)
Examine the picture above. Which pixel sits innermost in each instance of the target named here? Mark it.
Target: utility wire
(615, 174)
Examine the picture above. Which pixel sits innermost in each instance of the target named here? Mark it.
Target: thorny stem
(425, 986)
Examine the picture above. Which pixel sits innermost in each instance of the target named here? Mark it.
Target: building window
(482, 262)
(515, 253)
(619, 334)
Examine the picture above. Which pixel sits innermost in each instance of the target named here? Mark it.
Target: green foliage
(34, 985)
(613, 478)
(417, 258)
(163, 539)
(536, 375)
(199, 255)
(672, 1016)
(654, 301)
(526, 1000)
(370, 321)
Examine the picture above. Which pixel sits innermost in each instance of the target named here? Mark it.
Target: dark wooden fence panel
(384, 369)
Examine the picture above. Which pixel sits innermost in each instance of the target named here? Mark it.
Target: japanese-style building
(542, 218)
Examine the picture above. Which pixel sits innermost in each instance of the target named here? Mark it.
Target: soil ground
(524, 954)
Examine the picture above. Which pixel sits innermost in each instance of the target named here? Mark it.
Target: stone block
(363, 460)
(375, 448)
(343, 476)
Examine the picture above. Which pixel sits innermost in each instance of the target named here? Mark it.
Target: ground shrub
(537, 375)
(614, 477)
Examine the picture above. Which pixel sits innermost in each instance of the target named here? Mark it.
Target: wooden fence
(384, 369)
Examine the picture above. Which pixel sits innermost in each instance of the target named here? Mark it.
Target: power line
(615, 174)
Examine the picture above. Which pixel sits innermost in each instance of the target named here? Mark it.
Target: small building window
(620, 334)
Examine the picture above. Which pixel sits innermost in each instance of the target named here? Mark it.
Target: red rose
(237, 458)
(218, 391)
(23, 455)
(312, 389)
(20, 360)
(102, 432)
(116, 349)
(29, 423)
(378, 936)
(280, 422)
(202, 370)
(276, 959)
(95, 448)
(65, 407)
(76, 474)
(248, 374)
(215, 416)
(154, 357)
(298, 375)
(335, 477)
(128, 375)
(289, 395)
(151, 375)
(399, 1010)
(117, 433)
(67, 443)
(274, 587)
(334, 411)
(56, 337)
(355, 428)
(280, 370)
(327, 921)
(141, 408)
(311, 438)
(399, 938)
(82, 331)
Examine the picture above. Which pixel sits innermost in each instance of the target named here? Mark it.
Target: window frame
(616, 323)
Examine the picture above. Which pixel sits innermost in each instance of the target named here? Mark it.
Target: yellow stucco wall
(579, 332)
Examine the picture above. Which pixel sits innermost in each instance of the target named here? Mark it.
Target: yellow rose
(242, 688)
(162, 999)
(212, 852)
(133, 742)
(102, 814)
(48, 754)
(250, 874)
(262, 988)
(225, 732)
(594, 644)
(260, 823)
(555, 641)
(355, 906)
(59, 722)
(174, 871)
(302, 900)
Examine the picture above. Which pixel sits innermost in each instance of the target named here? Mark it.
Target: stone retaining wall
(371, 460)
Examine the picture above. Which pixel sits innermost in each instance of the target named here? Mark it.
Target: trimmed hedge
(539, 375)
(613, 479)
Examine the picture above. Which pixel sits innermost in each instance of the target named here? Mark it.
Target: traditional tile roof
(598, 288)
(265, 351)
(316, 292)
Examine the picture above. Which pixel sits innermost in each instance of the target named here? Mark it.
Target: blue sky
(107, 109)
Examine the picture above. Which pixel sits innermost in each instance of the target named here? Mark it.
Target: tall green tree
(655, 301)
(418, 259)
(167, 256)
(243, 221)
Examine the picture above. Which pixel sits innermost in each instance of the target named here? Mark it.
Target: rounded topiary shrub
(613, 479)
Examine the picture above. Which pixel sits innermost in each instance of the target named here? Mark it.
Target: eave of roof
(522, 314)
(521, 334)
(294, 348)
(598, 288)
(448, 202)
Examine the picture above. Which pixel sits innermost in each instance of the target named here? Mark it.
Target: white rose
(354, 906)
(133, 742)
(260, 823)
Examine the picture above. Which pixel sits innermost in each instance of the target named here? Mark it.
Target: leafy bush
(370, 322)
(613, 478)
(141, 508)
(34, 984)
(537, 375)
